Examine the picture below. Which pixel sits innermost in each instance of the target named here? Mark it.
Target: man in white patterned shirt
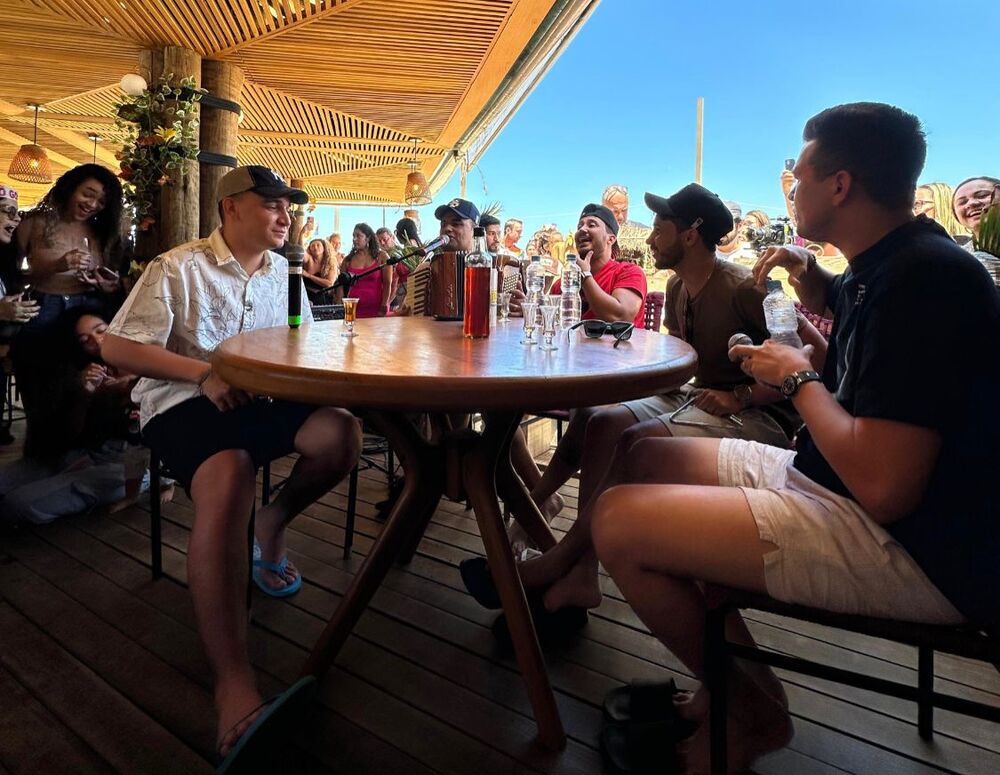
(213, 436)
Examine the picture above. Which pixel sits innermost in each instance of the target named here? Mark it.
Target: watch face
(789, 385)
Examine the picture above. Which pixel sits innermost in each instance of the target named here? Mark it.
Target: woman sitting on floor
(74, 458)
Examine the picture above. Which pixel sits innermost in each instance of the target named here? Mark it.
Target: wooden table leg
(421, 490)
(515, 494)
(480, 472)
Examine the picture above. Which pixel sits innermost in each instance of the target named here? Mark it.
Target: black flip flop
(554, 628)
(640, 748)
(479, 582)
(641, 700)
(270, 729)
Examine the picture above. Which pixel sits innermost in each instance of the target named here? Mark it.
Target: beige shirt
(190, 300)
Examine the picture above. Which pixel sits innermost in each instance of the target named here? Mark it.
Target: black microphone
(295, 255)
(738, 339)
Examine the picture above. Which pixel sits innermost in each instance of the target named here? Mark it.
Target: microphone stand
(345, 280)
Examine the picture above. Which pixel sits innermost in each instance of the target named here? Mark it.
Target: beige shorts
(757, 424)
(830, 554)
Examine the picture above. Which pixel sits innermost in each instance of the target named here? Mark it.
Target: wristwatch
(790, 385)
(743, 394)
(585, 275)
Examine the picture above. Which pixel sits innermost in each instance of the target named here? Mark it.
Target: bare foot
(752, 732)
(238, 706)
(552, 506)
(578, 588)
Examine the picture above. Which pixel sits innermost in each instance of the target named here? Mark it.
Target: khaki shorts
(757, 424)
(830, 554)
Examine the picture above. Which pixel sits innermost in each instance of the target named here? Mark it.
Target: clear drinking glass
(503, 299)
(549, 312)
(530, 312)
(554, 300)
(350, 313)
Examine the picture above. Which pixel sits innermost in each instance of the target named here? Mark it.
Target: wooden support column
(179, 199)
(219, 127)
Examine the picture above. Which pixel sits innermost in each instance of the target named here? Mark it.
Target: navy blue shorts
(187, 435)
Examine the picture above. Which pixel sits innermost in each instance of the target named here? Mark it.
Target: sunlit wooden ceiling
(335, 89)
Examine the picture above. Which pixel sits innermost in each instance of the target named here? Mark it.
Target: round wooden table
(399, 365)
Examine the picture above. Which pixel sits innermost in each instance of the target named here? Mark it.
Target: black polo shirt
(916, 339)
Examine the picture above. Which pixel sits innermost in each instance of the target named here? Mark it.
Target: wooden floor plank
(108, 722)
(33, 741)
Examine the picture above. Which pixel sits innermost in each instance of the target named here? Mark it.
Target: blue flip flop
(270, 729)
(276, 568)
(279, 570)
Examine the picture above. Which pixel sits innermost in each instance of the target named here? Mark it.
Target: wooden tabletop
(414, 364)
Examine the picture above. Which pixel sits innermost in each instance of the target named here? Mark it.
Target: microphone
(738, 339)
(431, 246)
(295, 255)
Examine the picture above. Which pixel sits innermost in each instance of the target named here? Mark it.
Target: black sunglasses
(595, 329)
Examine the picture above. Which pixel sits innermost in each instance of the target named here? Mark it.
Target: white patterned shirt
(189, 301)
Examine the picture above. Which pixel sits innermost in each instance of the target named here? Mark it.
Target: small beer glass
(350, 313)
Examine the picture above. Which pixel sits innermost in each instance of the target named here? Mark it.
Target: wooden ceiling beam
(339, 7)
(15, 139)
(349, 141)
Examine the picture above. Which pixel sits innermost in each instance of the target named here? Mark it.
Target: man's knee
(609, 525)
(607, 425)
(225, 472)
(332, 434)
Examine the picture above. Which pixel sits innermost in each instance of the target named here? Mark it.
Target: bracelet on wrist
(203, 380)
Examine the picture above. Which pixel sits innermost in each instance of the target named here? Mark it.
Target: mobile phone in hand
(108, 274)
(789, 164)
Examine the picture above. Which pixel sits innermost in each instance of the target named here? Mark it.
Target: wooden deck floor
(101, 669)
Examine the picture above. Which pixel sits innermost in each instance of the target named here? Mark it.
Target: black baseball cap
(692, 203)
(261, 180)
(463, 208)
(602, 213)
(488, 220)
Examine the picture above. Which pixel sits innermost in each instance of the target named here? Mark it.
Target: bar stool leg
(715, 681)
(925, 692)
(265, 490)
(352, 505)
(155, 536)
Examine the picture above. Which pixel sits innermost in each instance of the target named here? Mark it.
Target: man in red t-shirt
(610, 290)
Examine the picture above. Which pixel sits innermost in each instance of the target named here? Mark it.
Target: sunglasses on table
(595, 329)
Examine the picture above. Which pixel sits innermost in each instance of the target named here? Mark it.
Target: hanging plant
(161, 134)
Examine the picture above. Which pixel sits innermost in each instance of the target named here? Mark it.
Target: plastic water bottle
(534, 277)
(569, 305)
(779, 313)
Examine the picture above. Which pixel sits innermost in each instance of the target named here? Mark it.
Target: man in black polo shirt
(886, 508)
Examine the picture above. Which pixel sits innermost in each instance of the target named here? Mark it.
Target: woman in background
(319, 270)
(934, 201)
(372, 291)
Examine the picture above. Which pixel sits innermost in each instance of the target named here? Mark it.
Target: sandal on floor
(643, 700)
(554, 628)
(479, 582)
(270, 729)
(639, 748)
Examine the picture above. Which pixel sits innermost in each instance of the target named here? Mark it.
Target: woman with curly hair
(934, 201)
(372, 290)
(319, 270)
(69, 239)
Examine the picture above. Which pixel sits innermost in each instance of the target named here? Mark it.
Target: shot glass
(530, 311)
(549, 326)
(504, 306)
(554, 300)
(350, 314)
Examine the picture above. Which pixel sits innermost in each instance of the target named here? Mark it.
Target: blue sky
(619, 105)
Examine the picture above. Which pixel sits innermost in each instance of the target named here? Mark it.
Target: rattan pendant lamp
(30, 163)
(418, 191)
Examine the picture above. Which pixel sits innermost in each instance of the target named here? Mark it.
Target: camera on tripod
(777, 232)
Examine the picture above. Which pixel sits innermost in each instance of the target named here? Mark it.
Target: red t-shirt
(615, 274)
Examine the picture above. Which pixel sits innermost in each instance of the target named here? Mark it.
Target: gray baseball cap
(261, 180)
